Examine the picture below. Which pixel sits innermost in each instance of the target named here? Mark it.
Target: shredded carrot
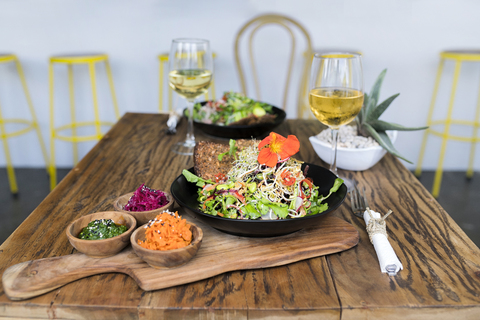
(166, 232)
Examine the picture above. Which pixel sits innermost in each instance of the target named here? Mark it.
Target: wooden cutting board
(219, 253)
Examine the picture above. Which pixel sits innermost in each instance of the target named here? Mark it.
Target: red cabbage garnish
(146, 199)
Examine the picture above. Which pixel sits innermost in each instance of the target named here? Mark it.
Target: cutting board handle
(32, 278)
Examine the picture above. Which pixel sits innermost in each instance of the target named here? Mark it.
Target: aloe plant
(368, 123)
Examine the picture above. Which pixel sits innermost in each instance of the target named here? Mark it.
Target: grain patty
(205, 157)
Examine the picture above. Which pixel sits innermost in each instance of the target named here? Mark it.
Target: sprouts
(271, 182)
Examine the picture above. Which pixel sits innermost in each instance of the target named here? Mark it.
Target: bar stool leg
(112, 89)
(98, 130)
(73, 118)
(161, 83)
(418, 170)
(10, 171)
(51, 167)
(32, 111)
(438, 173)
(474, 138)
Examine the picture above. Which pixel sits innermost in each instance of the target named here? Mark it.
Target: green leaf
(383, 139)
(232, 151)
(279, 209)
(195, 179)
(375, 92)
(377, 111)
(336, 185)
(361, 115)
(380, 125)
(250, 210)
(317, 208)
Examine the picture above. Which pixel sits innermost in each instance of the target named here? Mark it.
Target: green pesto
(101, 229)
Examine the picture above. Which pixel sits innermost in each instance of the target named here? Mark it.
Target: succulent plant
(368, 123)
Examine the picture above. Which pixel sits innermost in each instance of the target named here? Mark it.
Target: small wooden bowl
(165, 259)
(105, 247)
(142, 217)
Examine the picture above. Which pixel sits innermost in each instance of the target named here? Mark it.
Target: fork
(358, 201)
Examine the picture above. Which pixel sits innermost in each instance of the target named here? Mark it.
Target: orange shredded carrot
(166, 232)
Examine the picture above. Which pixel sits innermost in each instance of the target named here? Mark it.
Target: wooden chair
(295, 31)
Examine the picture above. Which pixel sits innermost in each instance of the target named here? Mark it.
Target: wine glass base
(183, 148)
(348, 183)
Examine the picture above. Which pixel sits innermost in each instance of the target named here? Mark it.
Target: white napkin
(387, 258)
(172, 120)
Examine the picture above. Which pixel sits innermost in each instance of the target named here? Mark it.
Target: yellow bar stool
(458, 56)
(28, 125)
(91, 61)
(163, 59)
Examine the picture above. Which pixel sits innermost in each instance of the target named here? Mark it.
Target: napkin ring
(377, 225)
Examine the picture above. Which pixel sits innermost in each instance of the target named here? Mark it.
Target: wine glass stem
(333, 166)
(190, 139)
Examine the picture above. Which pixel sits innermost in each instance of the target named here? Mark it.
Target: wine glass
(336, 94)
(190, 74)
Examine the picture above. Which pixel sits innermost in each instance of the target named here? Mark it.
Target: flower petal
(272, 138)
(290, 146)
(267, 157)
(265, 141)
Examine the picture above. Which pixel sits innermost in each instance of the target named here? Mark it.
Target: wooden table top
(440, 280)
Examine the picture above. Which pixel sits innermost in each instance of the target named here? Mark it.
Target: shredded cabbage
(146, 199)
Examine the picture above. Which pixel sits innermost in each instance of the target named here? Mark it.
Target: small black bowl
(185, 194)
(244, 131)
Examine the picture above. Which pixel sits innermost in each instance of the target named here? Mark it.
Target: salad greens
(231, 108)
(254, 191)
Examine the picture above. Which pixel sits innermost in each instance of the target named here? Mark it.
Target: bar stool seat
(459, 57)
(56, 132)
(26, 124)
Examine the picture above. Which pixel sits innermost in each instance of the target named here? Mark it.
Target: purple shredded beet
(146, 199)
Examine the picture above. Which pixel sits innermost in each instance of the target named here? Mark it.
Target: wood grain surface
(440, 280)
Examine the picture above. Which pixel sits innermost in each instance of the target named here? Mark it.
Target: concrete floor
(458, 197)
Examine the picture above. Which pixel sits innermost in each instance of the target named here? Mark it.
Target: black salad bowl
(243, 131)
(185, 194)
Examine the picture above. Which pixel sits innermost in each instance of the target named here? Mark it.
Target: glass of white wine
(190, 73)
(336, 94)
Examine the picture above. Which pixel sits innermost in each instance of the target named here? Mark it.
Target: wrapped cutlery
(376, 228)
(172, 122)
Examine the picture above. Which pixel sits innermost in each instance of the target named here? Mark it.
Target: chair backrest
(295, 31)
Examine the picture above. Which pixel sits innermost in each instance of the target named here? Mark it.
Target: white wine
(335, 106)
(190, 83)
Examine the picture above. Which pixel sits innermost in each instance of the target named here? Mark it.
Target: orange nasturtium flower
(276, 147)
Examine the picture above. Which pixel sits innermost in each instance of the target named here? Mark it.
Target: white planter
(351, 158)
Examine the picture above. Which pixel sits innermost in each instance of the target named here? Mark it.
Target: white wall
(404, 36)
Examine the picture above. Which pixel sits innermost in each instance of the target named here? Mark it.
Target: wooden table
(440, 280)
